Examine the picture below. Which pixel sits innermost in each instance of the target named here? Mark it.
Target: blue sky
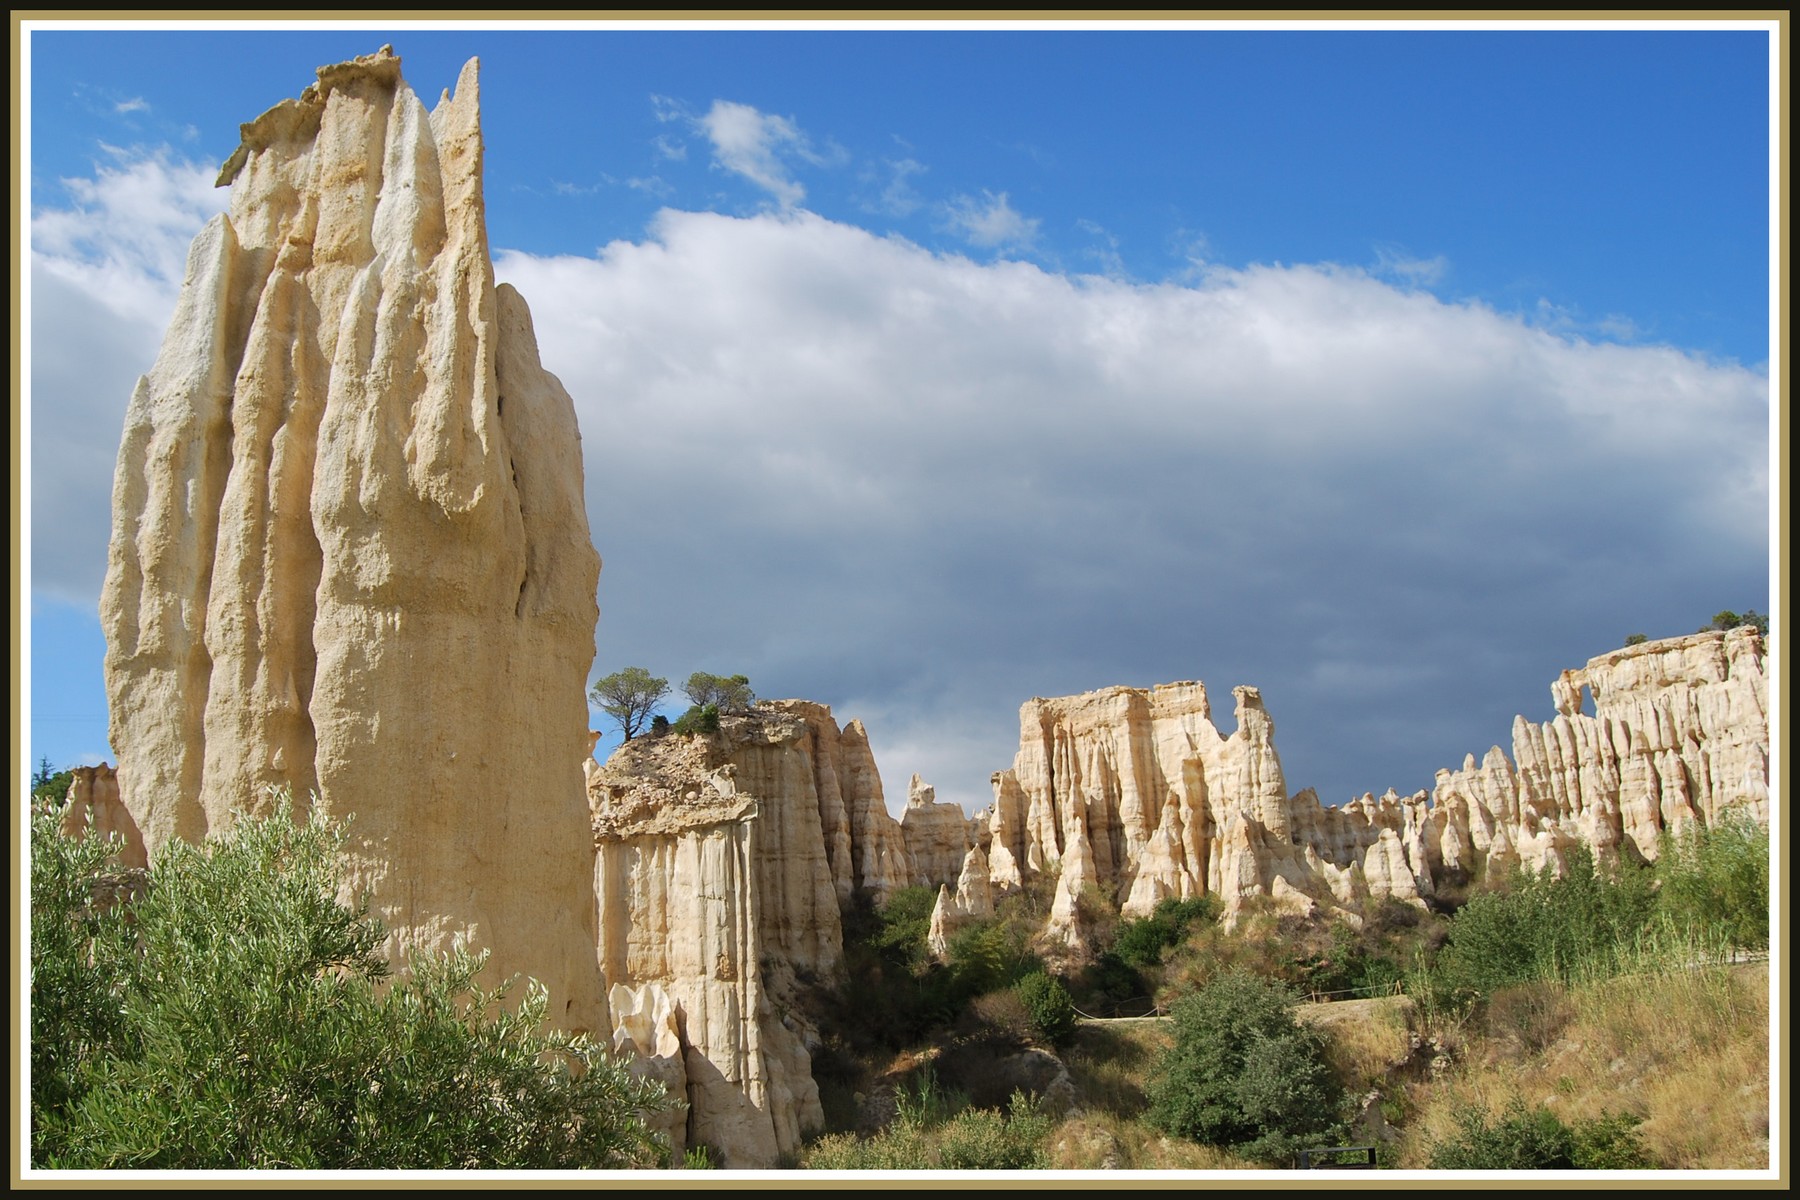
(921, 372)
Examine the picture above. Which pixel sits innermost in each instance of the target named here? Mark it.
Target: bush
(1141, 942)
(967, 1139)
(1524, 1139)
(1048, 1007)
(245, 1024)
(700, 719)
(51, 787)
(1542, 927)
(980, 1139)
(1244, 1075)
(1715, 880)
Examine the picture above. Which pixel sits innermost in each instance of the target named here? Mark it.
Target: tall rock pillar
(350, 552)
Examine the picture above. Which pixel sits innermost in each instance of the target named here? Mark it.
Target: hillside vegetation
(1593, 1019)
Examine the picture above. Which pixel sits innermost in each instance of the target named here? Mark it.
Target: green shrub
(946, 1138)
(51, 787)
(981, 1139)
(81, 966)
(247, 1025)
(1244, 1075)
(700, 719)
(923, 1103)
(1715, 880)
(1048, 1007)
(1543, 926)
(1523, 1139)
(897, 1149)
(1141, 942)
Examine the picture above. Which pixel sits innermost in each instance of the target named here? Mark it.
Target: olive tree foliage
(630, 697)
(731, 694)
(227, 1011)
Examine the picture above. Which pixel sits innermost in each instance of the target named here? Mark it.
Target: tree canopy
(630, 697)
(727, 694)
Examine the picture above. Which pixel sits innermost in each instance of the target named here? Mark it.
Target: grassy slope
(1687, 1051)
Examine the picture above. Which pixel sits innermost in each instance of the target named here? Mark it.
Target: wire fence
(1148, 1007)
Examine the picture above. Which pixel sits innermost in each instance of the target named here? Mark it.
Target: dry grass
(1364, 1039)
(1108, 1064)
(1686, 1051)
(1094, 1141)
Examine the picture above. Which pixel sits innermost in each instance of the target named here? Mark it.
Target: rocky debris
(1138, 793)
(350, 553)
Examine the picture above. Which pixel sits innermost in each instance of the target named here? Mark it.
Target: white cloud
(922, 488)
(135, 104)
(123, 238)
(755, 144)
(990, 222)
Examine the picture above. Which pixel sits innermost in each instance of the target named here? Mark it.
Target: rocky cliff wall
(721, 865)
(350, 554)
(1137, 793)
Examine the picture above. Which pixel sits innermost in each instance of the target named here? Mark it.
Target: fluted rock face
(863, 842)
(1678, 733)
(350, 554)
(1138, 792)
(719, 869)
(93, 808)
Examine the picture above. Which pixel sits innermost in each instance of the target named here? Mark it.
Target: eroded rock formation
(93, 808)
(721, 867)
(350, 554)
(937, 835)
(1137, 793)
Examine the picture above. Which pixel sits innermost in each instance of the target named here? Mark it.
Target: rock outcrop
(1137, 793)
(721, 867)
(93, 808)
(937, 835)
(350, 555)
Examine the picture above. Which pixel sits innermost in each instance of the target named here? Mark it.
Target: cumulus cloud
(990, 222)
(924, 489)
(123, 234)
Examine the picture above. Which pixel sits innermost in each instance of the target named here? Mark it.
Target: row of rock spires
(723, 865)
(350, 558)
(1138, 794)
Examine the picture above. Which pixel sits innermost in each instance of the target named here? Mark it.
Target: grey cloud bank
(923, 489)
